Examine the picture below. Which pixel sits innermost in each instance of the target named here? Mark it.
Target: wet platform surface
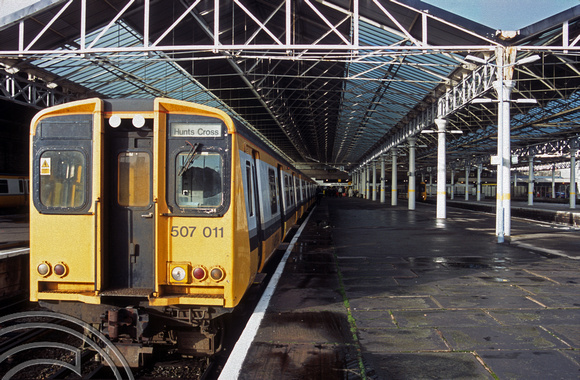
(380, 292)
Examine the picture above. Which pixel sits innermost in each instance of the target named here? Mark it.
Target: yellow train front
(152, 217)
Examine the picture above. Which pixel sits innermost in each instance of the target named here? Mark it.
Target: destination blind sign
(196, 130)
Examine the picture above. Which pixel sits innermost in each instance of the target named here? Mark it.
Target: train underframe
(137, 330)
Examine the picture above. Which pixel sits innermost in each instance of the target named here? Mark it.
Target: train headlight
(61, 269)
(179, 273)
(43, 269)
(217, 274)
(199, 273)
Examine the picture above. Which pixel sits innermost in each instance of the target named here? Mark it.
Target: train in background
(403, 191)
(420, 191)
(152, 218)
(13, 192)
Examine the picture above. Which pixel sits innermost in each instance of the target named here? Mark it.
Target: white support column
(572, 177)
(374, 166)
(466, 181)
(553, 180)
(479, 169)
(382, 179)
(360, 181)
(367, 181)
(531, 181)
(394, 179)
(503, 203)
(441, 166)
(452, 183)
(411, 192)
(506, 170)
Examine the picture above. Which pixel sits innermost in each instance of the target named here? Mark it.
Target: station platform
(380, 292)
(14, 234)
(552, 212)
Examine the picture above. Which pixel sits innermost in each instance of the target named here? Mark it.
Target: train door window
(62, 179)
(3, 186)
(273, 191)
(249, 192)
(286, 191)
(199, 180)
(134, 179)
(298, 189)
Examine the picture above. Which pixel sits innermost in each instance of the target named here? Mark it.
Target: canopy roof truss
(335, 82)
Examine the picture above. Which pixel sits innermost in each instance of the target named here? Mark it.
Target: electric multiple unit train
(151, 218)
(13, 191)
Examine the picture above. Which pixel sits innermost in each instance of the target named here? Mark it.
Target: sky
(505, 14)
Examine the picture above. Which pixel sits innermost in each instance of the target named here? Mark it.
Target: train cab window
(134, 179)
(3, 186)
(199, 180)
(62, 179)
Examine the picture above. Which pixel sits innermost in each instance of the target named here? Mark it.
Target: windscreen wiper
(189, 159)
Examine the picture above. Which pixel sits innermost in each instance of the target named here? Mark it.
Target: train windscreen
(199, 180)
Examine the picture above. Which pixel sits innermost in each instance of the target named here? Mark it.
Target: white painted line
(234, 364)
(556, 252)
(14, 252)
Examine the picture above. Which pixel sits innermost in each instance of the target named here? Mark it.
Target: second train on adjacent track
(151, 218)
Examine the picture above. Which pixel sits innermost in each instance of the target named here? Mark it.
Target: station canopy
(332, 84)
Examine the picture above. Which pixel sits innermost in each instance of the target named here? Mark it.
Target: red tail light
(60, 269)
(199, 273)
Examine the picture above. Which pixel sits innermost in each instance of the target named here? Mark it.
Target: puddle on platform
(461, 262)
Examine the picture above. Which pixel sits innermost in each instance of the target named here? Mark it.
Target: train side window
(134, 179)
(250, 194)
(3, 186)
(62, 179)
(273, 191)
(292, 192)
(199, 180)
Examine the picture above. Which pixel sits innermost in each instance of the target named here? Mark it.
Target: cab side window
(62, 179)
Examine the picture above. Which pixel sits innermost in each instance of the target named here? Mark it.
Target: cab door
(130, 219)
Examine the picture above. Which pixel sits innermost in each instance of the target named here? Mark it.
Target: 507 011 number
(188, 231)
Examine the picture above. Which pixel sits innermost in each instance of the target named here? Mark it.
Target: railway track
(39, 345)
(47, 345)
